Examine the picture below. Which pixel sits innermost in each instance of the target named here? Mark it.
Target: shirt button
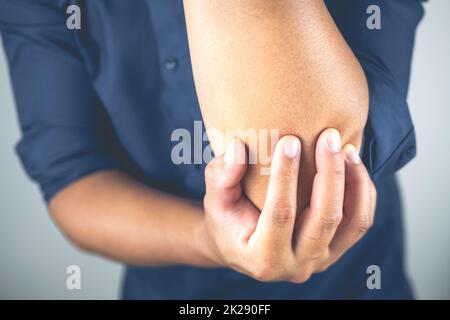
(171, 63)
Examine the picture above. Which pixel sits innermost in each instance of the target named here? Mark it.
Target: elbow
(355, 113)
(346, 106)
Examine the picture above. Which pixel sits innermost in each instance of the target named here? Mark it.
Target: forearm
(111, 214)
(283, 65)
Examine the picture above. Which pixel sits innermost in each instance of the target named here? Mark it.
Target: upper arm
(57, 108)
(275, 65)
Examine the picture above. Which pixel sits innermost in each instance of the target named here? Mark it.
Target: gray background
(34, 255)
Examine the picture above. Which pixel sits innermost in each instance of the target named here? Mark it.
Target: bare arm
(299, 84)
(111, 214)
(261, 64)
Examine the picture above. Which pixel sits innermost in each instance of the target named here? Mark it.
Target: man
(97, 108)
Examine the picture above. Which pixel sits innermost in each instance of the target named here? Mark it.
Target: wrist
(206, 246)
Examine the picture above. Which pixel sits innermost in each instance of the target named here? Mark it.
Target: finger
(276, 222)
(357, 204)
(223, 175)
(318, 223)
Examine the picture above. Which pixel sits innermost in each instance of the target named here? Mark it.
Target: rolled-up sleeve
(59, 114)
(385, 55)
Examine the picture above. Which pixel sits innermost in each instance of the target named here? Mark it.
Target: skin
(283, 227)
(261, 64)
(276, 244)
(110, 214)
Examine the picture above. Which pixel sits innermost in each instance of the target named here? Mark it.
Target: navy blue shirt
(109, 96)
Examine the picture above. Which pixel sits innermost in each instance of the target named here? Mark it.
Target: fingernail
(334, 141)
(351, 154)
(291, 147)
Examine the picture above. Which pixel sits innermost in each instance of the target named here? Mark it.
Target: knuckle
(320, 257)
(266, 271)
(283, 214)
(362, 226)
(331, 220)
(302, 276)
(339, 173)
(263, 275)
(268, 268)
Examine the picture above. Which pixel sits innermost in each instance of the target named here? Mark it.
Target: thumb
(223, 174)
